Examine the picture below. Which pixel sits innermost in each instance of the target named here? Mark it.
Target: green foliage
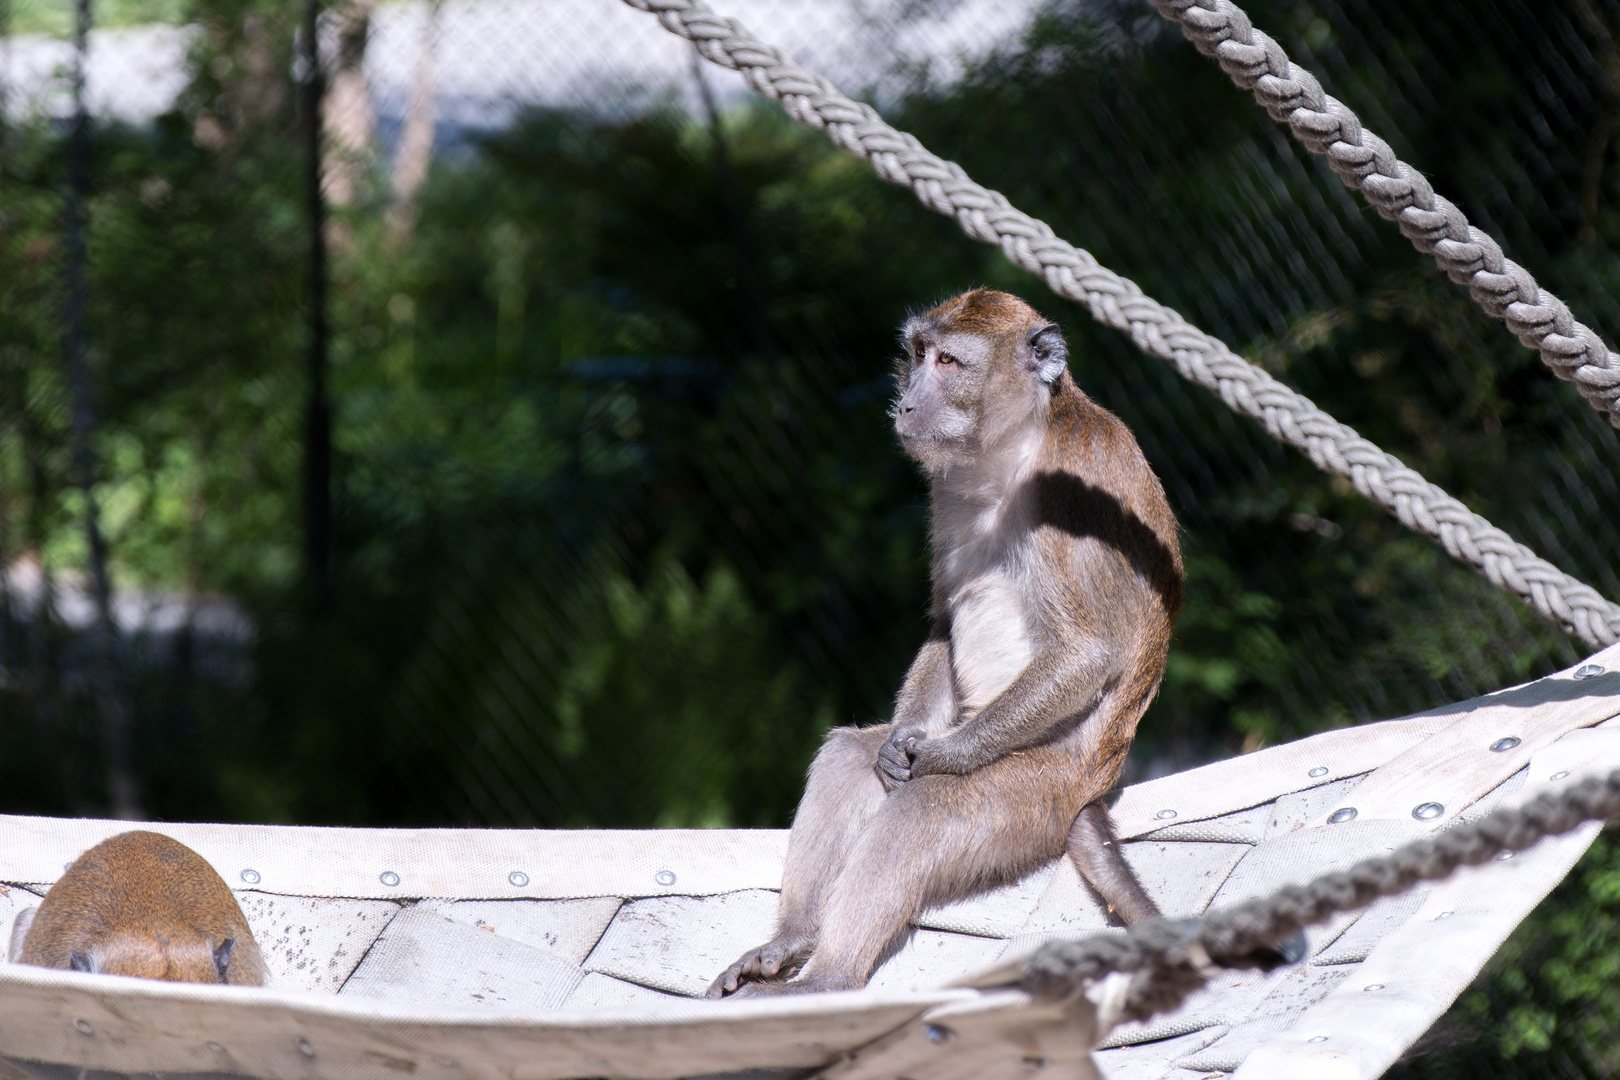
(697, 734)
(55, 17)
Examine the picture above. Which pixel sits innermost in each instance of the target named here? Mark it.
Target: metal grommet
(1165, 815)
(1588, 671)
(1320, 770)
(1559, 775)
(1428, 811)
(1370, 987)
(1317, 1038)
(216, 1048)
(1504, 744)
(666, 878)
(519, 879)
(1504, 856)
(938, 1033)
(388, 878)
(306, 1049)
(84, 1027)
(1342, 815)
(251, 877)
(1444, 915)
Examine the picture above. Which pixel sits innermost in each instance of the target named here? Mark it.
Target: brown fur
(1057, 579)
(145, 905)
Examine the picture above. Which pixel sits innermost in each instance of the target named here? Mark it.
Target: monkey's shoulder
(1085, 431)
(1092, 456)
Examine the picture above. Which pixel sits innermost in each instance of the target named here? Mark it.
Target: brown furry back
(1097, 489)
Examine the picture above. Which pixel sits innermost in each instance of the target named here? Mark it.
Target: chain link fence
(617, 528)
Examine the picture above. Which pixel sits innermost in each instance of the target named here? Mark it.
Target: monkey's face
(975, 369)
(941, 381)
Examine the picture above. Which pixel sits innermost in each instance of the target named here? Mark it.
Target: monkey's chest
(990, 641)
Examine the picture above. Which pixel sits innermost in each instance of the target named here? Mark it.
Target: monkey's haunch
(1170, 959)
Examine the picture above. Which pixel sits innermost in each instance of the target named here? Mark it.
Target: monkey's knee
(846, 747)
(19, 932)
(845, 768)
(1095, 853)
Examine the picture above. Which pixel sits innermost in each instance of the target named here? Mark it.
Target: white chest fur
(990, 644)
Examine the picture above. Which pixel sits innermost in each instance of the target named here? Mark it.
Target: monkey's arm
(925, 707)
(1047, 697)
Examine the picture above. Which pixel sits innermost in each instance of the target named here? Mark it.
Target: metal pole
(318, 413)
(123, 792)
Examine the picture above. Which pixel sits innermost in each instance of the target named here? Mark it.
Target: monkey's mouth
(930, 444)
(931, 437)
(913, 428)
(936, 451)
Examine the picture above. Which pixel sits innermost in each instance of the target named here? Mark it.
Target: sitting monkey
(1056, 582)
(141, 904)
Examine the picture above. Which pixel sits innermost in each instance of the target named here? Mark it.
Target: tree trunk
(349, 120)
(415, 153)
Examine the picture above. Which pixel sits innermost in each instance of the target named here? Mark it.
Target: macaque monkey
(141, 904)
(1056, 581)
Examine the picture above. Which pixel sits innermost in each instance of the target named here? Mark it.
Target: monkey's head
(976, 369)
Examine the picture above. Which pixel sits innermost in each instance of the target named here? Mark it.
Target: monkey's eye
(947, 358)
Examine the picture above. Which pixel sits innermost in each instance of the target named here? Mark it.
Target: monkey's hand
(943, 755)
(894, 757)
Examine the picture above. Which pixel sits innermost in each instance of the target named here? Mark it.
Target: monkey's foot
(774, 962)
(803, 983)
(764, 988)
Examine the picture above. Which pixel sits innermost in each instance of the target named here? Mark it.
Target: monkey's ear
(222, 957)
(1045, 353)
(78, 961)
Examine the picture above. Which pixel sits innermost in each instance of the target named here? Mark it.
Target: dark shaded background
(619, 526)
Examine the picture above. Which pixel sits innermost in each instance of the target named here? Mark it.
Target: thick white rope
(1289, 416)
(1170, 958)
(1365, 163)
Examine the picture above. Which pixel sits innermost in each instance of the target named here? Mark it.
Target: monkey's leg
(936, 839)
(1096, 855)
(842, 792)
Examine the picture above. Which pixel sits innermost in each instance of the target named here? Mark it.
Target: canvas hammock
(540, 955)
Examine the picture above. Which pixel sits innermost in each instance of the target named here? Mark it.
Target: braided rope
(1170, 958)
(1069, 271)
(1434, 225)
